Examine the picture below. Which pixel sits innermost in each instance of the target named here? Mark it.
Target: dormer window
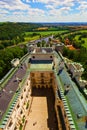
(24, 89)
(21, 97)
(18, 106)
(10, 124)
(33, 57)
(51, 57)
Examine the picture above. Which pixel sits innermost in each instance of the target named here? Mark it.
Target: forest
(13, 33)
(6, 55)
(10, 35)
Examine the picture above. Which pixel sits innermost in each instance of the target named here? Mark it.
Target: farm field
(77, 37)
(45, 32)
(85, 44)
(28, 36)
(82, 31)
(85, 40)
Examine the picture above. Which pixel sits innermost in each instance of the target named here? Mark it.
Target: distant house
(15, 62)
(70, 47)
(67, 41)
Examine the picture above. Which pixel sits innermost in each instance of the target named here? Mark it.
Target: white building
(15, 62)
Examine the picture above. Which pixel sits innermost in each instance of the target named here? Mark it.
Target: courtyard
(42, 114)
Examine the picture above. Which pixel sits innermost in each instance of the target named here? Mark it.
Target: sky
(43, 10)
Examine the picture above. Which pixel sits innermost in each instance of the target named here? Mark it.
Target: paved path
(37, 119)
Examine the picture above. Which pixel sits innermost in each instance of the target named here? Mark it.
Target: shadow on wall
(48, 93)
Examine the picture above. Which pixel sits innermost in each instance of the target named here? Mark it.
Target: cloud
(57, 2)
(13, 5)
(3, 11)
(65, 10)
(45, 1)
(36, 12)
(49, 6)
(82, 6)
(43, 10)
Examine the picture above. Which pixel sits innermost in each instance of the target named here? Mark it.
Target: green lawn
(46, 32)
(29, 37)
(85, 40)
(85, 44)
(82, 30)
(77, 37)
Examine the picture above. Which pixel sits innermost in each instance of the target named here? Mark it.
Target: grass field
(85, 44)
(28, 36)
(82, 31)
(85, 40)
(46, 32)
(77, 37)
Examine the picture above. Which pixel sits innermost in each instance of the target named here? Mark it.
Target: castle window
(27, 96)
(38, 86)
(21, 97)
(24, 89)
(33, 80)
(42, 74)
(50, 56)
(51, 80)
(51, 74)
(33, 57)
(10, 124)
(32, 74)
(42, 81)
(15, 128)
(18, 106)
(21, 112)
(46, 86)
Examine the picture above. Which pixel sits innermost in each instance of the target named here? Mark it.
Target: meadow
(85, 44)
(29, 35)
(85, 39)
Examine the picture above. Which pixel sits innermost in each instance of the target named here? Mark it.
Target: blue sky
(43, 10)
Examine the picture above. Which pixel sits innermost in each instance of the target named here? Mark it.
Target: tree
(7, 55)
(1, 46)
(43, 43)
(38, 44)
